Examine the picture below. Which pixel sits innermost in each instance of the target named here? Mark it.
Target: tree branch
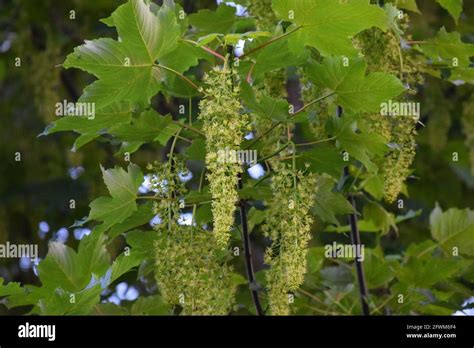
(248, 252)
(246, 235)
(355, 240)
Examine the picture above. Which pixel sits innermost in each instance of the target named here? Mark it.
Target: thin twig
(181, 76)
(414, 42)
(263, 178)
(313, 102)
(288, 157)
(207, 49)
(340, 305)
(269, 42)
(191, 128)
(382, 304)
(201, 180)
(400, 56)
(171, 194)
(190, 112)
(355, 239)
(291, 116)
(178, 136)
(249, 74)
(275, 153)
(316, 142)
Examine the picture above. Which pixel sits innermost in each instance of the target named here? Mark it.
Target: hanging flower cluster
(383, 51)
(396, 166)
(190, 271)
(225, 128)
(288, 225)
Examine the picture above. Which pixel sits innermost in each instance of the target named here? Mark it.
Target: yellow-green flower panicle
(288, 225)
(191, 272)
(225, 128)
(396, 167)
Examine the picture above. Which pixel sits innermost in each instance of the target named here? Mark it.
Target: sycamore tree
(246, 162)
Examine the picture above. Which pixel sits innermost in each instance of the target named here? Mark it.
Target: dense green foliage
(175, 99)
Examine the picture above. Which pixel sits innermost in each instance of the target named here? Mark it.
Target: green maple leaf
(59, 301)
(362, 146)
(12, 288)
(64, 272)
(267, 107)
(454, 7)
(124, 264)
(355, 90)
(462, 74)
(185, 56)
(323, 159)
(149, 127)
(197, 150)
(92, 256)
(71, 271)
(381, 219)
(123, 187)
(375, 223)
(221, 21)
(60, 268)
(328, 25)
(126, 69)
(418, 272)
(272, 57)
(328, 204)
(377, 269)
(89, 129)
(453, 228)
(142, 244)
(449, 48)
(150, 305)
(141, 216)
(373, 185)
